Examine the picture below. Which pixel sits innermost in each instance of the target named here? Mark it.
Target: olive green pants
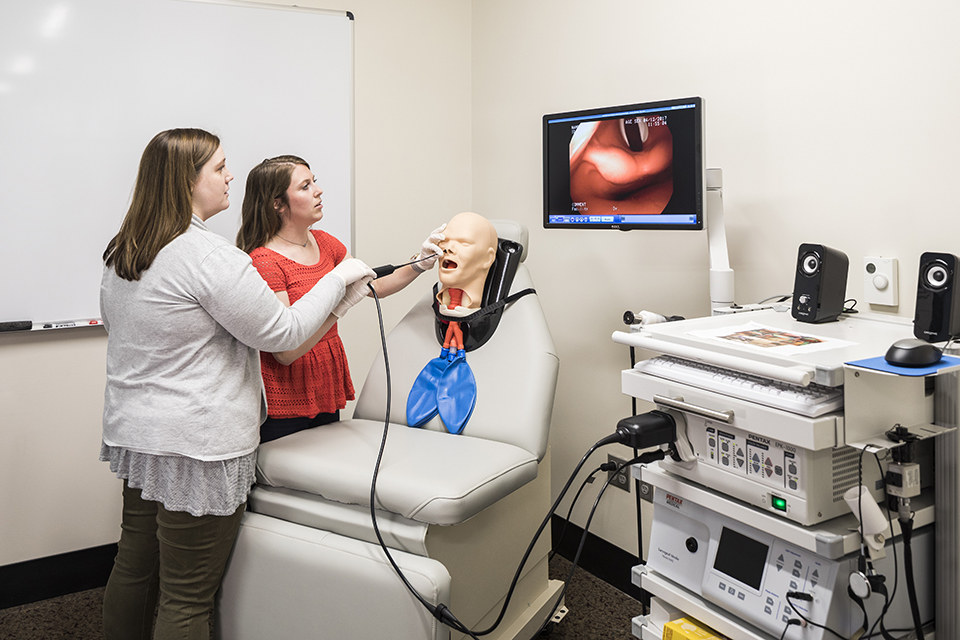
(170, 557)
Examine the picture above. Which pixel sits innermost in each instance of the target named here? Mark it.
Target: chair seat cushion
(426, 476)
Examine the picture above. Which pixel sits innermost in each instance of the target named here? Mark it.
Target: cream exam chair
(457, 511)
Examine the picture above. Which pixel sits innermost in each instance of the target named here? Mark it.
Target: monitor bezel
(610, 112)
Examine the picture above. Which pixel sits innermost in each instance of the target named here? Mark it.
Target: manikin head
(469, 250)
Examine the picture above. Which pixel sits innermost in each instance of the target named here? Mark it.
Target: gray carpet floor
(597, 611)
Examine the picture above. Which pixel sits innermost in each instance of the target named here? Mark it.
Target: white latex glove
(355, 293)
(430, 250)
(352, 270)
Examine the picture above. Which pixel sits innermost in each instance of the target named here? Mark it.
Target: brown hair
(267, 182)
(162, 204)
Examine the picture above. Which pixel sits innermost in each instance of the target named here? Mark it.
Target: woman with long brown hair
(307, 386)
(186, 315)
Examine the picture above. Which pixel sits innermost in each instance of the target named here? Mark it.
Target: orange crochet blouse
(319, 381)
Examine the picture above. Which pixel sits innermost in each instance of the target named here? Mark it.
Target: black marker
(16, 325)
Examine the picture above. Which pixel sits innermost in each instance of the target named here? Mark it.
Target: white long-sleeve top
(183, 364)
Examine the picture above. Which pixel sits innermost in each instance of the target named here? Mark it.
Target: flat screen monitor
(638, 166)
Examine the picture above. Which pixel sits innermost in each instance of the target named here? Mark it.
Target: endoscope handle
(385, 270)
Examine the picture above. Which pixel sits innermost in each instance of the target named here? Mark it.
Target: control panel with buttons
(770, 473)
(765, 460)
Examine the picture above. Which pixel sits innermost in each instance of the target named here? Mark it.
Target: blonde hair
(162, 205)
(266, 183)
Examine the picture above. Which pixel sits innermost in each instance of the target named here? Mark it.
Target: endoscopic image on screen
(624, 165)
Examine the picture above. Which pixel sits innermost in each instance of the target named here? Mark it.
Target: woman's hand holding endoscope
(352, 270)
(355, 274)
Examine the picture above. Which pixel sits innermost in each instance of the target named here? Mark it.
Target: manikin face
(210, 195)
(304, 206)
(468, 251)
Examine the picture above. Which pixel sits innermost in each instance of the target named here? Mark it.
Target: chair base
(288, 581)
(539, 609)
(540, 604)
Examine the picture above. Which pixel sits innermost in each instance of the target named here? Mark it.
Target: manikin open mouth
(449, 264)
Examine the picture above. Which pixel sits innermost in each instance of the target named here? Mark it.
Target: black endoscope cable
(896, 574)
(918, 624)
(440, 611)
(888, 598)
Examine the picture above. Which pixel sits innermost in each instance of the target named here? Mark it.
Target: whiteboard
(84, 86)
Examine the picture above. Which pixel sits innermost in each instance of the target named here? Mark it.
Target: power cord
(791, 622)
(606, 466)
(799, 595)
(646, 458)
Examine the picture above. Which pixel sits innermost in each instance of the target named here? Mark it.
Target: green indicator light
(779, 504)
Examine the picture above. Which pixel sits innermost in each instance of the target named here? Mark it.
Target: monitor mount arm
(721, 275)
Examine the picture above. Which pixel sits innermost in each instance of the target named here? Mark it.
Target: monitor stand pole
(721, 275)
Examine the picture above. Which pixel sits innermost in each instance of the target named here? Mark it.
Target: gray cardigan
(183, 368)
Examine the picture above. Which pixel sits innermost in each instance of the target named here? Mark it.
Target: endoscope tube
(906, 528)
(440, 611)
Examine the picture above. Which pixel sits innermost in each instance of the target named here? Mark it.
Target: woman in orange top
(305, 387)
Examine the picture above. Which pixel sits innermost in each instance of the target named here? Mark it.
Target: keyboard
(811, 401)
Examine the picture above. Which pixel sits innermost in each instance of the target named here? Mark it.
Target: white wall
(56, 497)
(834, 123)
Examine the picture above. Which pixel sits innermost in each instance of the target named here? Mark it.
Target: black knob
(692, 545)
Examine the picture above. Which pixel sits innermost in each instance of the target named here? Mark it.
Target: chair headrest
(513, 230)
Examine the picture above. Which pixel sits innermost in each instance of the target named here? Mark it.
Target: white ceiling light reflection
(22, 65)
(54, 21)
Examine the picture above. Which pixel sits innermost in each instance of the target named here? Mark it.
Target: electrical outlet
(646, 491)
(619, 480)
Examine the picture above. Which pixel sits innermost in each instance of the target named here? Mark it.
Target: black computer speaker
(820, 284)
(937, 316)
